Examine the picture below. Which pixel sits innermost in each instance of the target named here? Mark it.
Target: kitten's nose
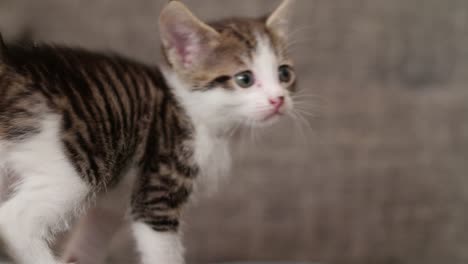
(277, 102)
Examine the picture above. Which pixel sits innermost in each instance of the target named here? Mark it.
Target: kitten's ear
(186, 39)
(279, 20)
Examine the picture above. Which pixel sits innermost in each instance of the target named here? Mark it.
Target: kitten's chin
(267, 121)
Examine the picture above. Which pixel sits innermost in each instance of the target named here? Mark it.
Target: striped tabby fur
(118, 117)
(115, 113)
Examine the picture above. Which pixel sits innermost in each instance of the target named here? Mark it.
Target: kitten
(79, 128)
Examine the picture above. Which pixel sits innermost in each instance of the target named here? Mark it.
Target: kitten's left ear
(279, 20)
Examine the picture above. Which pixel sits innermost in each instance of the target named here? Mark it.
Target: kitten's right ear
(187, 41)
(279, 21)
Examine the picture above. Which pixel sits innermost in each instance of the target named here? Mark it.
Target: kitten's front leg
(156, 205)
(157, 247)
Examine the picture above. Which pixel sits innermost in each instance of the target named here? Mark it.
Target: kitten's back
(104, 103)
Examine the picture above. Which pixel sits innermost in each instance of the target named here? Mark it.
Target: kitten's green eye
(286, 74)
(245, 79)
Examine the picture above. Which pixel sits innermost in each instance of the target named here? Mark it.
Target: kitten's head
(231, 71)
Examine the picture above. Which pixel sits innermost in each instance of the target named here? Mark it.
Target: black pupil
(285, 74)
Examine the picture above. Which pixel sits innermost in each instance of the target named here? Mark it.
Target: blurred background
(381, 174)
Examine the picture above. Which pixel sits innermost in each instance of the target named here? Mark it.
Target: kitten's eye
(285, 73)
(245, 79)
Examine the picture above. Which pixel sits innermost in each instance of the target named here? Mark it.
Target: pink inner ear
(184, 42)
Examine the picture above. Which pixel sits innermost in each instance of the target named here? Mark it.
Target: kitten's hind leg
(48, 194)
(90, 241)
(41, 206)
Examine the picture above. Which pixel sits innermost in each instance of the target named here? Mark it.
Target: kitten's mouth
(274, 114)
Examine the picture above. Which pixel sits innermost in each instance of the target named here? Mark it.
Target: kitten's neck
(211, 142)
(200, 113)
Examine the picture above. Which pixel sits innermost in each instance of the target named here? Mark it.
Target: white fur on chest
(212, 155)
(211, 149)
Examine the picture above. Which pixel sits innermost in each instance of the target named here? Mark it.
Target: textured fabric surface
(382, 174)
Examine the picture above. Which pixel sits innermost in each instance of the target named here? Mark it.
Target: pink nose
(277, 102)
